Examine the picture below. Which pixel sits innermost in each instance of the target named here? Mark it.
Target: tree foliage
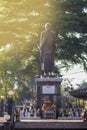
(21, 22)
(70, 23)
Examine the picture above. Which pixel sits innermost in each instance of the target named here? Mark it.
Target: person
(24, 109)
(84, 115)
(32, 111)
(44, 107)
(43, 110)
(54, 108)
(17, 114)
(47, 49)
(38, 112)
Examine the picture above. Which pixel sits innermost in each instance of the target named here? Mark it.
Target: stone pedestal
(48, 87)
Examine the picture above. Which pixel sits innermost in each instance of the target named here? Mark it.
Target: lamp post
(10, 102)
(1, 106)
(10, 109)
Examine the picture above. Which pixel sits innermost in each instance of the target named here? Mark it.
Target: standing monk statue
(47, 49)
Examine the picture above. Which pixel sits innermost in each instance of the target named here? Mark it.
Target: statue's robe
(47, 50)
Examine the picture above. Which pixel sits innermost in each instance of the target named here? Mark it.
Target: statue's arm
(41, 45)
(42, 39)
(55, 40)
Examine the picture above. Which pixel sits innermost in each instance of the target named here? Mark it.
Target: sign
(47, 89)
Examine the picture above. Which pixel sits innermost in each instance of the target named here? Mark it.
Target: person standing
(24, 109)
(32, 111)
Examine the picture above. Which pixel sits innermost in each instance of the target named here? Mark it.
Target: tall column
(1, 108)
(10, 103)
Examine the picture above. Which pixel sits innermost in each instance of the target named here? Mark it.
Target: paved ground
(28, 122)
(51, 124)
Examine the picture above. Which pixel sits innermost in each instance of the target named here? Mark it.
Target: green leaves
(21, 22)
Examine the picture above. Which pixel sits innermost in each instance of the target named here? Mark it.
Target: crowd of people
(72, 112)
(25, 110)
(61, 112)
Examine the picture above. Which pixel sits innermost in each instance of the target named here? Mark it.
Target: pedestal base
(48, 92)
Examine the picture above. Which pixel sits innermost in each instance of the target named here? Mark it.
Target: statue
(47, 49)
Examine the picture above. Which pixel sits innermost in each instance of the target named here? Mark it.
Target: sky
(76, 74)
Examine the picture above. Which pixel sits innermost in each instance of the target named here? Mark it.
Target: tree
(66, 99)
(69, 18)
(21, 22)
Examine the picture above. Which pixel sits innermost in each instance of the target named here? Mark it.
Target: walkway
(28, 122)
(50, 124)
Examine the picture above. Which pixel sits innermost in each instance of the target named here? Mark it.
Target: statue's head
(48, 26)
